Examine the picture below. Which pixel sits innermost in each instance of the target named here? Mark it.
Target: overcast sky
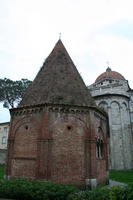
(94, 32)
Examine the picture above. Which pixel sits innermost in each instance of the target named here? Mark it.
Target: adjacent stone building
(57, 133)
(4, 128)
(111, 91)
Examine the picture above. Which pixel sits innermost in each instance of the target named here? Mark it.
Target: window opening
(69, 128)
(3, 140)
(99, 144)
(26, 127)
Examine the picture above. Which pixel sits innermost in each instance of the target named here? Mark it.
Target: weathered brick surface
(68, 150)
(57, 146)
(24, 168)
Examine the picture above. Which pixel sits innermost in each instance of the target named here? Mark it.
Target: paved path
(116, 183)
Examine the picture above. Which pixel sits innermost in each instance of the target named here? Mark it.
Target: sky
(96, 33)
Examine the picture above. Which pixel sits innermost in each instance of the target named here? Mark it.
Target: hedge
(114, 193)
(34, 190)
(40, 190)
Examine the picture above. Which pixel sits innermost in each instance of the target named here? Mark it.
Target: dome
(110, 75)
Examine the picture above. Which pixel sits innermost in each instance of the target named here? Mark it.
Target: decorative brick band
(61, 108)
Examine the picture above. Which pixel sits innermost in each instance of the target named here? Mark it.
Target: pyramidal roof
(58, 82)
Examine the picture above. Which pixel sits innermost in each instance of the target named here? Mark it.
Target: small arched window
(99, 148)
(99, 144)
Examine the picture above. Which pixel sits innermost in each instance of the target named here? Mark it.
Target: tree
(11, 92)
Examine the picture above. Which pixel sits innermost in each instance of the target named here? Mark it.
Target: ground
(122, 176)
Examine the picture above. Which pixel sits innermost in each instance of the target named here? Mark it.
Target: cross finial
(108, 68)
(108, 63)
(59, 36)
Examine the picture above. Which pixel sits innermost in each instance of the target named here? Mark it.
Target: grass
(2, 171)
(124, 176)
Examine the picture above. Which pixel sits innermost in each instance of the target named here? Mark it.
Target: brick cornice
(62, 108)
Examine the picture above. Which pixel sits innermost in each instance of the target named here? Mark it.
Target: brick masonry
(58, 146)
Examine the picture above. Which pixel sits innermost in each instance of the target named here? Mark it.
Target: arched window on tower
(104, 106)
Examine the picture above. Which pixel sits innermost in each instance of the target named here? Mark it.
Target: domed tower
(57, 133)
(109, 76)
(112, 93)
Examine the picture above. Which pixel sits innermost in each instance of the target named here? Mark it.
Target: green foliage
(117, 193)
(129, 192)
(35, 190)
(11, 92)
(124, 176)
(114, 193)
(40, 190)
(1, 171)
(95, 194)
(124, 193)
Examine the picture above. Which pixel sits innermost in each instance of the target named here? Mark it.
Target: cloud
(92, 31)
(117, 50)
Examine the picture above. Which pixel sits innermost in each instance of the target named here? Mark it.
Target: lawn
(124, 176)
(1, 171)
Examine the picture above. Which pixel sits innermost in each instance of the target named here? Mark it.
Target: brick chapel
(57, 133)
